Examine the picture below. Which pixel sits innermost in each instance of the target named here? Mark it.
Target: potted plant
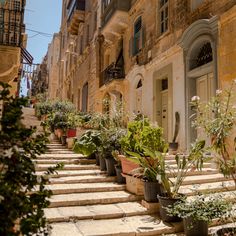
(171, 179)
(110, 143)
(217, 119)
(88, 144)
(120, 178)
(225, 231)
(140, 135)
(198, 213)
(73, 120)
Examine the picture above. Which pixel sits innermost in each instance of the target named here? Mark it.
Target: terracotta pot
(127, 165)
(71, 133)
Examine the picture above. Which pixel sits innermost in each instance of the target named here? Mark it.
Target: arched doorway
(199, 42)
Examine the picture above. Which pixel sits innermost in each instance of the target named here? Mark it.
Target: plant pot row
(110, 166)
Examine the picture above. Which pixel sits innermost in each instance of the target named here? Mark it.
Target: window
(137, 36)
(105, 4)
(164, 16)
(16, 5)
(195, 4)
(85, 98)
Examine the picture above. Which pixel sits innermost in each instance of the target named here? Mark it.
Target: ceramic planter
(110, 164)
(134, 185)
(151, 190)
(71, 133)
(167, 202)
(195, 227)
(120, 179)
(127, 165)
(97, 159)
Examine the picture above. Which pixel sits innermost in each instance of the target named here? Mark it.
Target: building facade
(152, 56)
(53, 63)
(12, 42)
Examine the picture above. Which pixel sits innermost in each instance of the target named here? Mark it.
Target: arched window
(140, 84)
(201, 55)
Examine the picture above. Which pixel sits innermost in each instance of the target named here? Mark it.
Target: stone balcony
(75, 16)
(115, 18)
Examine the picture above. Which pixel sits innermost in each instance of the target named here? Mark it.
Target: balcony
(75, 15)
(112, 72)
(115, 17)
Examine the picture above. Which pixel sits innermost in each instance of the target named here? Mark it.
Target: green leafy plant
(169, 177)
(202, 208)
(21, 205)
(140, 135)
(89, 143)
(218, 120)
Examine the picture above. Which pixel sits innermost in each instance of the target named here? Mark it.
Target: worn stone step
(55, 161)
(43, 167)
(71, 173)
(207, 187)
(95, 212)
(84, 187)
(62, 151)
(127, 226)
(204, 171)
(200, 179)
(82, 199)
(83, 179)
(56, 146)
(205, 165)
(60, 155)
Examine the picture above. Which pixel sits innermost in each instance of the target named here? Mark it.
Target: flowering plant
(217, 118)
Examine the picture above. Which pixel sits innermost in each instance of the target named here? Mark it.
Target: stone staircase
(86, 202)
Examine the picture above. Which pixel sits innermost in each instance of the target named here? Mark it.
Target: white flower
(195, 98)
(218, 92)
(8, 153)
(158, 178)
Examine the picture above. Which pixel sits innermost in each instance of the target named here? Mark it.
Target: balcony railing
(112, 72)
(112, 7)
(74, 5)
(11, 26)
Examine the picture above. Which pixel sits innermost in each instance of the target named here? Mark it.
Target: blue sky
(43, 16)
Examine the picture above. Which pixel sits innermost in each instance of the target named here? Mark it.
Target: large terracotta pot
(127, 165)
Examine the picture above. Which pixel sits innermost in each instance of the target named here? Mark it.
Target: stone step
(60, 155)
(203, 179)
(82, 199)
(205, 165)
(84, 187)
(43, 167)
(55, 161)
(128, 226)
(62, 151)
(56, 146)
(95, 212)
(207, 187)
(83, 179)
(204, 171)
(71, 173)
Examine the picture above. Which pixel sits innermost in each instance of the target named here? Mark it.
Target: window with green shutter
(137, 41)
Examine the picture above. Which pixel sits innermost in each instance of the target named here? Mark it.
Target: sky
(43, 16)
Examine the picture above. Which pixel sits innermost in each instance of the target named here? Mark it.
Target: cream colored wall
(227, 49)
